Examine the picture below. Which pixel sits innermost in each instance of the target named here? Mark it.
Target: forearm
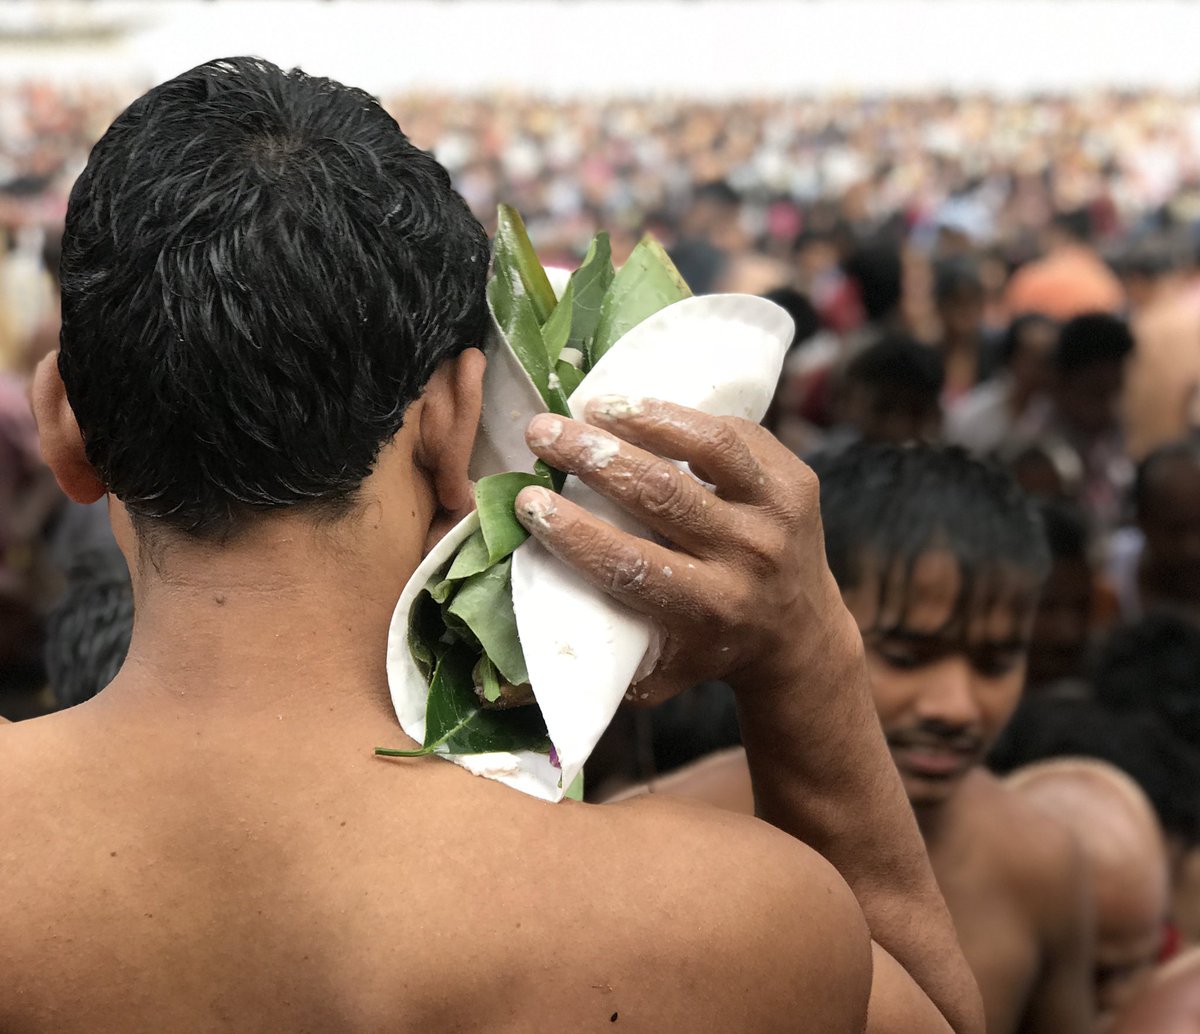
(821, 772)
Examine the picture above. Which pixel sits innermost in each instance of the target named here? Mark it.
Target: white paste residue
(599, 450)
(548, 431)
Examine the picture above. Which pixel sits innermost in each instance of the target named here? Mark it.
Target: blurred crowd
(1019, 276)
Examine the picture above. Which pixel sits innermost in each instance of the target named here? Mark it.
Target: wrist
(826, 651)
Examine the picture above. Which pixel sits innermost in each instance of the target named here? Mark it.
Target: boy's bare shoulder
(1039, 856)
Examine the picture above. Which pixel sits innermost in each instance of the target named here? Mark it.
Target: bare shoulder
(1037, 854)
(773, 924)
(1170, 1004)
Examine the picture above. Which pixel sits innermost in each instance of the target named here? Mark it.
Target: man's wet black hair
(1138, 742)
(1186, 449)
(885, 506)
(1011, 342)
(1094, 337)
(1154, 665)
(260, 274)
(88, 631)
(903, 374)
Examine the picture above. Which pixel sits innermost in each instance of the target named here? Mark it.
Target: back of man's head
(892, 391)
(1154, 665)
(885, 506)
(877, 272)
(260, 273)
(1090, 339)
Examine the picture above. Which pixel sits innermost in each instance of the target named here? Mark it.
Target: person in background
(940, 558)
(1062, 627)
(1169, 1004)
(784, 418)
(709, 236)
(29, 502)
(89, 628)
(1115, 826)
(1162, 387)
(890, 392)
(1089, 368)
(1009, 405)
(1154, 665)
(875, 273)
(1141, 745)
(1155, 565)
(959, 298)
(1070, 279)
(1045, 468)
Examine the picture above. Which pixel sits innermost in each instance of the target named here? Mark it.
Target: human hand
(741, 589)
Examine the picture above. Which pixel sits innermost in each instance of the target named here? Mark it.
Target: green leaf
(424, 633)
(514, 251)
(647, 283)
(484, 604)
(569, 378)
(471, 558)
(457, 631)
(557, 329)
(575, 790)
(495, 500)
(588, 285)
(555, 478)
(487, 676)
(441, 591)
(516, 318)
(456, 722)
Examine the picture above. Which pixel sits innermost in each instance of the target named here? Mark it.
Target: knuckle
(770, 545)
(661, 491)
(625, 569)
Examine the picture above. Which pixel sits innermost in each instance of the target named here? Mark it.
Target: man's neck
(275, 635)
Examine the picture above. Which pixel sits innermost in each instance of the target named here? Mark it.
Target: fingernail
(534, 505)
(544, 429)
(616, 407)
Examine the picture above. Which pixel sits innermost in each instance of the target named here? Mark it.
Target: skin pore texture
(236, 858)
(1121, 841)
(1012, 877)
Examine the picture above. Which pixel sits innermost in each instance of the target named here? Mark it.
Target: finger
(641, 574)
(720, 447)
(660, 495)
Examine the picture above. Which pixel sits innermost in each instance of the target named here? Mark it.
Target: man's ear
(61, 440)
(450, 410)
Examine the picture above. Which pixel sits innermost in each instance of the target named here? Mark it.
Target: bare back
(172, 881)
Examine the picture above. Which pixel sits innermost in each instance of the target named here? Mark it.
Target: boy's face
(946, 673)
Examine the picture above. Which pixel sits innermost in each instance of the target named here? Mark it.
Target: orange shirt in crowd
(1071, 280)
